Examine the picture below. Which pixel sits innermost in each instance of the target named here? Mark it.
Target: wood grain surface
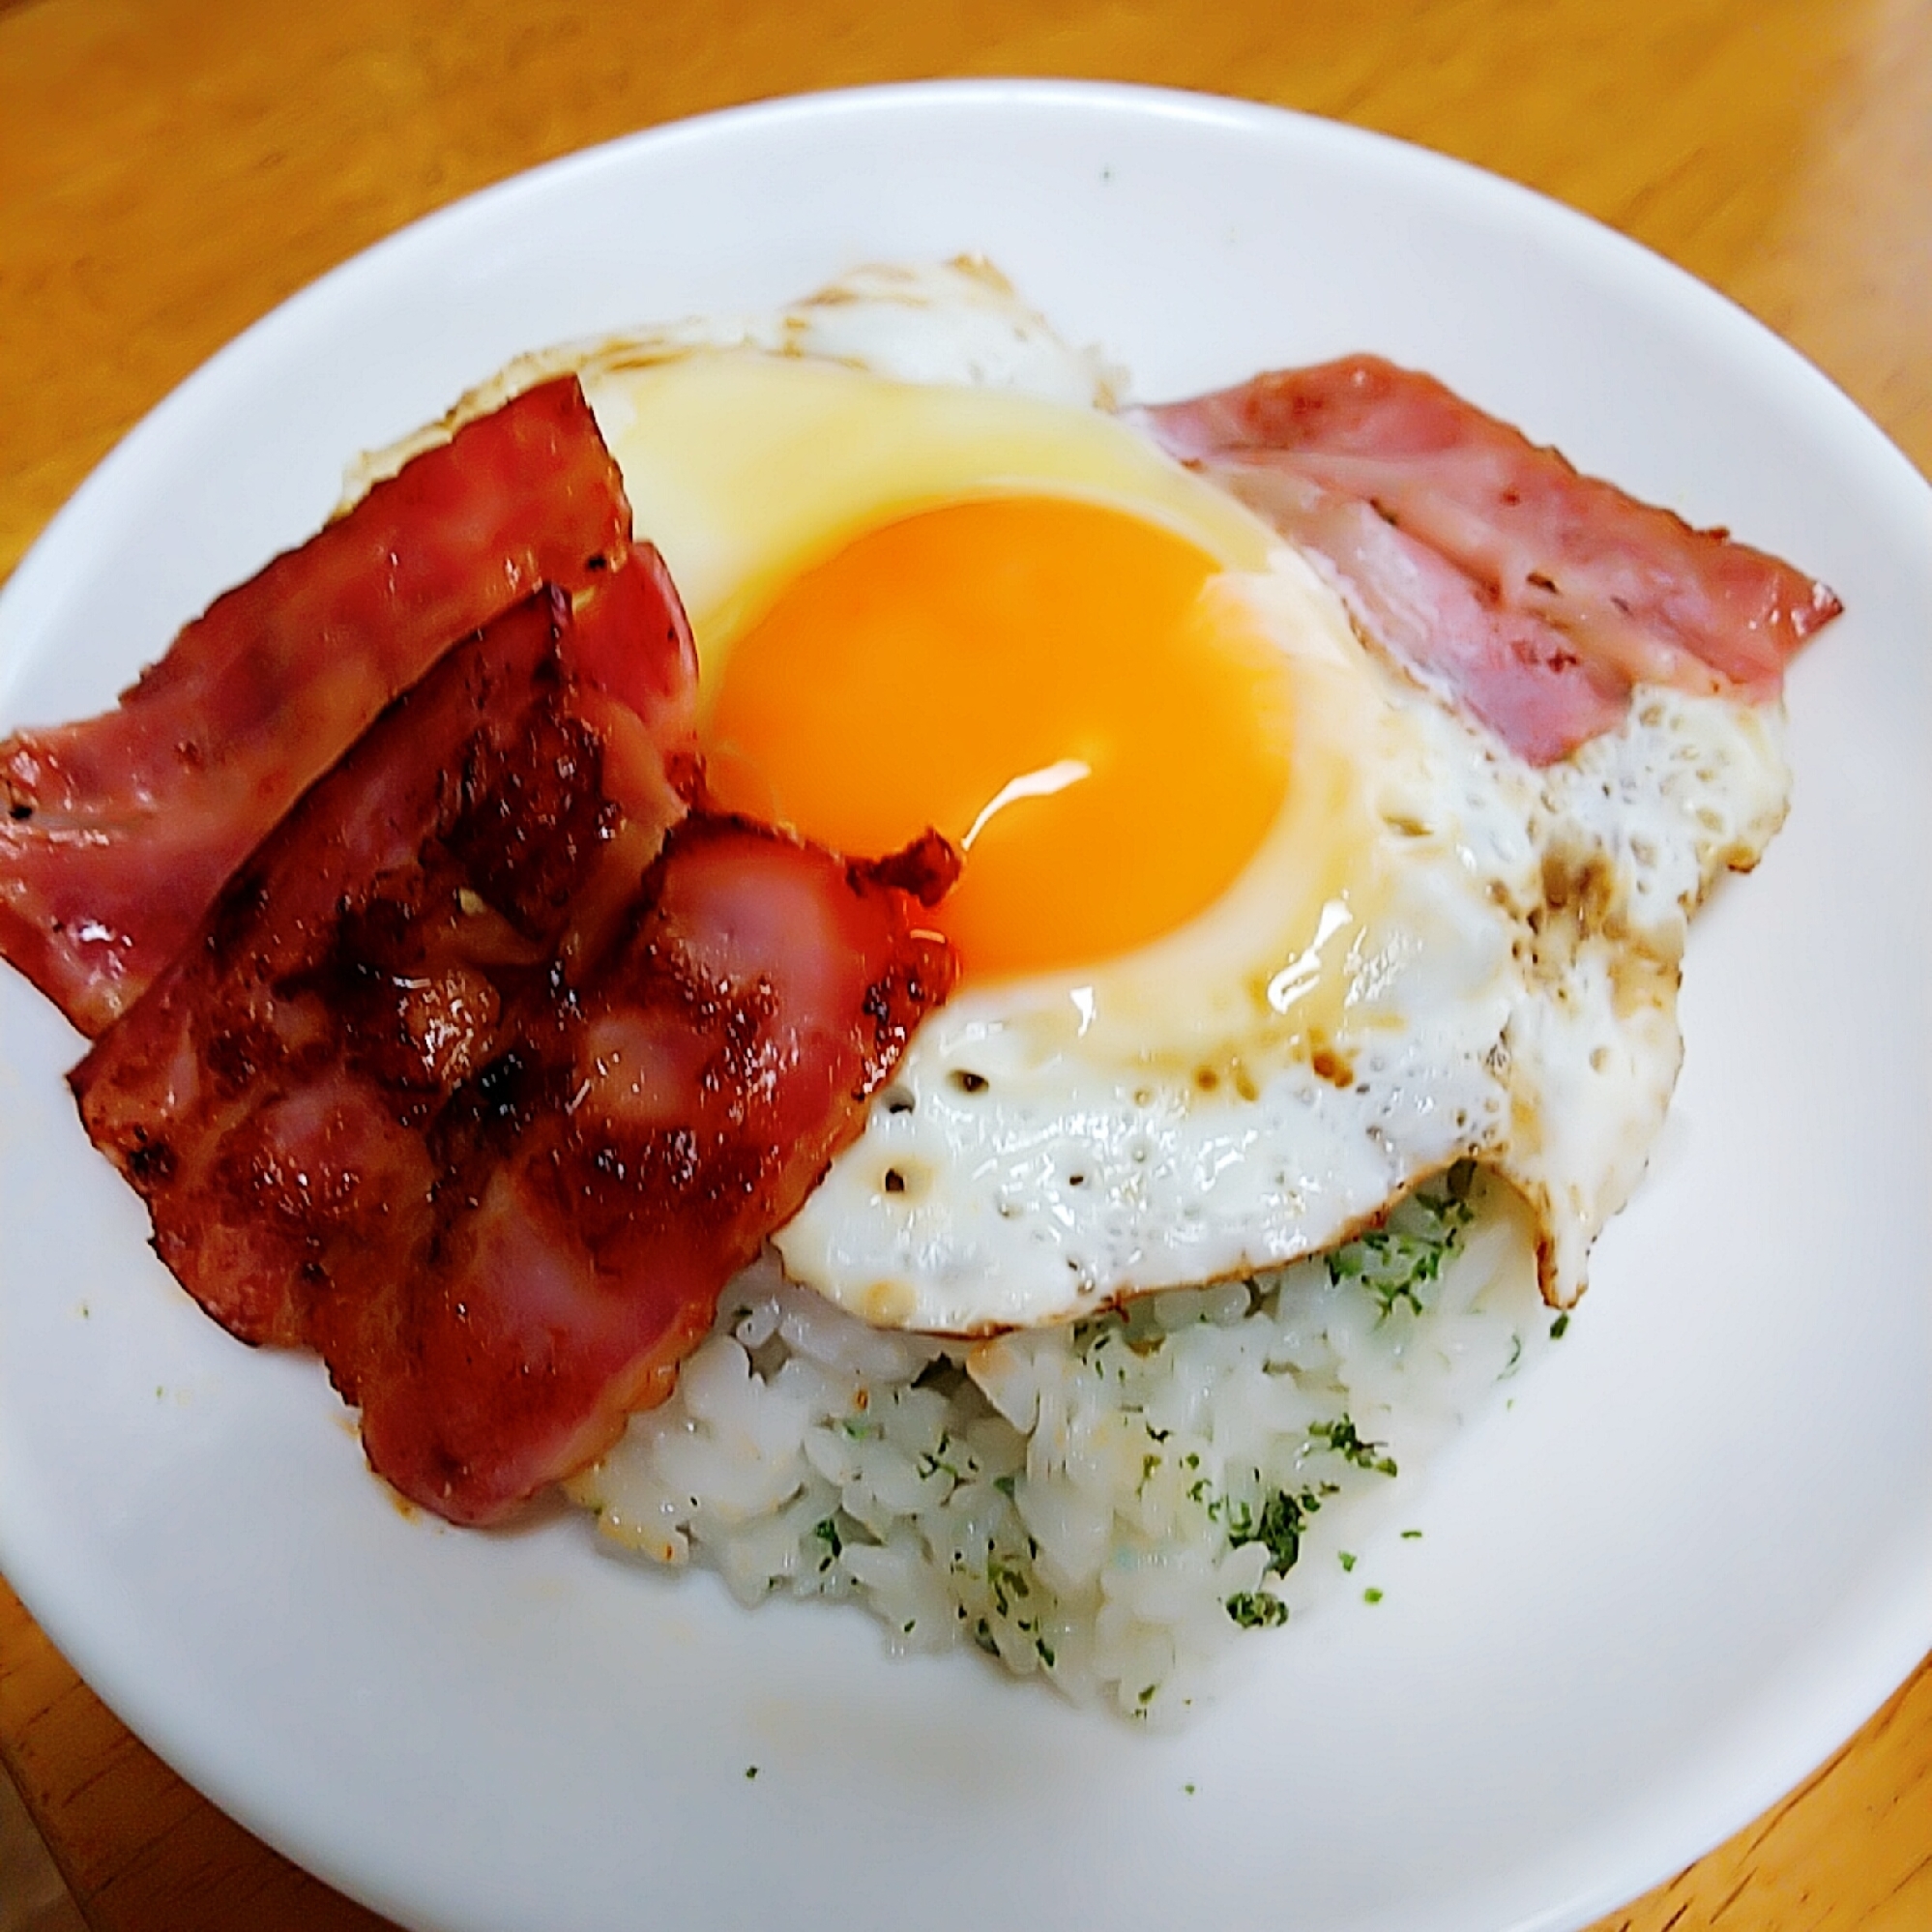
(171, 169)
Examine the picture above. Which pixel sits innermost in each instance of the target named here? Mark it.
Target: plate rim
(24, 593)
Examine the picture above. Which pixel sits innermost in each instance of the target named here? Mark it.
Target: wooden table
(169, 171)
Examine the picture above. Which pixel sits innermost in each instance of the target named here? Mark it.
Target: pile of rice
(1110, 1505)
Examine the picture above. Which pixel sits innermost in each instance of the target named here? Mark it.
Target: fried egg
(1255, 933)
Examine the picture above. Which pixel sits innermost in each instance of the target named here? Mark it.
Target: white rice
(1109, 1506)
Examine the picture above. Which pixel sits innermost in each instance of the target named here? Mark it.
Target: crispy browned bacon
(119, 830)
(1538, 597)
(489, 1067)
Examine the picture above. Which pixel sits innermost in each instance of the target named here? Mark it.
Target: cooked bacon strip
(368, 946)
(120, 830)
(1517, 674)
(631, 1152)
(1536, 594)
(443, 1092)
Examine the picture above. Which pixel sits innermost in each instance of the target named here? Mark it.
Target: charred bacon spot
(502, 1097)
(927, 869)
(532, 817)
(238, 1055)
(235, 914)
(150, 1163)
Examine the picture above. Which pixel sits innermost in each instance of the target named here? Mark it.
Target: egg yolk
(1048, 681)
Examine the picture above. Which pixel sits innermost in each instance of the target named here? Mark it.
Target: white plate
(1692, 1557)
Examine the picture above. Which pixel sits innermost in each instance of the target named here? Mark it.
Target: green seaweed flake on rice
(1109, 1504)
